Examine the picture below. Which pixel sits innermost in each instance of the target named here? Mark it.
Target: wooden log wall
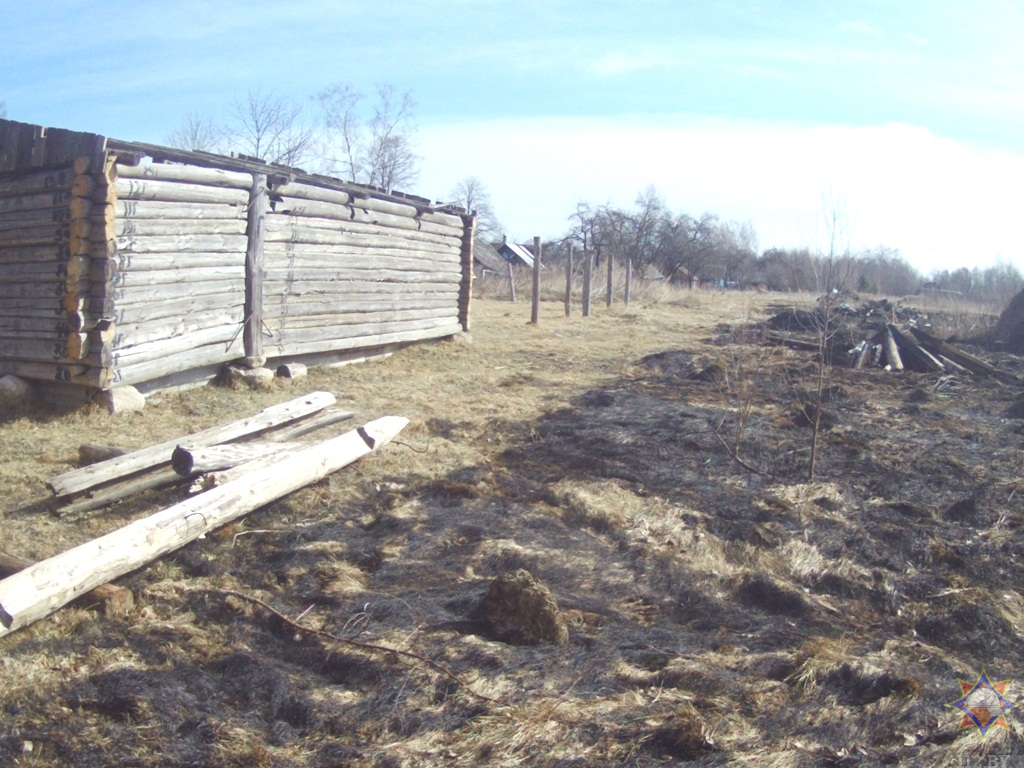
(168, 271)
(117, 272)
(45, 243)
(345, 270)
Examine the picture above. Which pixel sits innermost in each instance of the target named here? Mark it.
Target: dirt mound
(519, 609)
(1008, 332)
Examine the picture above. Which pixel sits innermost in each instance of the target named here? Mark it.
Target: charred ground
(650, 468)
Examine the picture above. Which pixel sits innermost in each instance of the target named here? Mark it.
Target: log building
(124, 263)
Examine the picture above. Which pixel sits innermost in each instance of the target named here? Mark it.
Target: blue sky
(911, 112)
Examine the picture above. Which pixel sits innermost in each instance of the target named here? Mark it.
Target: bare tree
(472, 195)
(377, 151)
(197, 134)
(271, 128)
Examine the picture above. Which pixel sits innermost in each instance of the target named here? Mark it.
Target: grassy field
(720, 611)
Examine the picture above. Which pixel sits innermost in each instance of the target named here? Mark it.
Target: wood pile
(870, 337)
(259, 474)
(118, 270)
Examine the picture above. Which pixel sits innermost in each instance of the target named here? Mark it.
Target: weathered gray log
(281, 230)
(28, 254)
(259, 205)
(172, 243)
(115, 600)
(112, 492)
(79, 480)
(970, 362)
(892, 352)
(535, 303)
(224, 335)
(150, 209)
(127, 227)
(298, 308)
(300, 191)
(299, 256)
(177, 192)
(136, 334)
(315, 209)
(41, 201)
(304, 346)
(341, 318)
(310, 279)
(316, 228)
(76, 208)
(188, 460)
(340, 241)
(155, 294)
(914, 356)
(145, 369)
(126, 314)
(210, 480)
(188, 174)
(38, 591)
(146, 262)
(41, 182)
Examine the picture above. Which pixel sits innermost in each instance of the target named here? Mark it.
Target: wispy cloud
(619, 62)
(861, 28)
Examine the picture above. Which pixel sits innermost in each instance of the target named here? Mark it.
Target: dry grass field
(718, 612)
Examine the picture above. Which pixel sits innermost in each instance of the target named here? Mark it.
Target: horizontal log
(176, 192)
(188, 460)
(28, 254)
(116, 601)
(82, 479)
(289, 194)
(37, 327)
(281, 292)
(38, 234)
(226, 337)
(40, 201)
(188, 174)
(296, 308)
(83, 186)
(283, 255)
(126, 227)
(188, 243)
(77, 345)
(303, 279)
(33, 217)
(299, 347)
(116, 491)
(156, 209)
(108, 271)
(335, 320)
(27, 348)
(228, 289)
(105, 195)
(134, 334)
(50, 269)
(42, 290)
(69, 373)
(309, 230)
(974, 364)
(37, 591)
(37, 182)
(146, 262)
(315, 209)
(124, 314)
(141, 371)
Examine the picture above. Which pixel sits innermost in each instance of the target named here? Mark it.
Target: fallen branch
(373, 647)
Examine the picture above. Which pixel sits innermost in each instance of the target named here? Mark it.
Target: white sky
(911, 113)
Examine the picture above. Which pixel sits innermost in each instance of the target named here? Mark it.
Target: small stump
(519, 609)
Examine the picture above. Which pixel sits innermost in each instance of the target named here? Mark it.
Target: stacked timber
(346, 269)
(45, 223)
(168, 269)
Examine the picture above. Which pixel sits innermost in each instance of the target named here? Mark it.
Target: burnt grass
(722, 608)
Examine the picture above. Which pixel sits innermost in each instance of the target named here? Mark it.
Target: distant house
(487, 258)
(516, 254)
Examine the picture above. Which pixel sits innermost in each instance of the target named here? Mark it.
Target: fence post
(511, 282)
(568, 282)
(252, 332)
(588, 268)
(629, 278)
(535, 310)
(466, 257)
(610, 261)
